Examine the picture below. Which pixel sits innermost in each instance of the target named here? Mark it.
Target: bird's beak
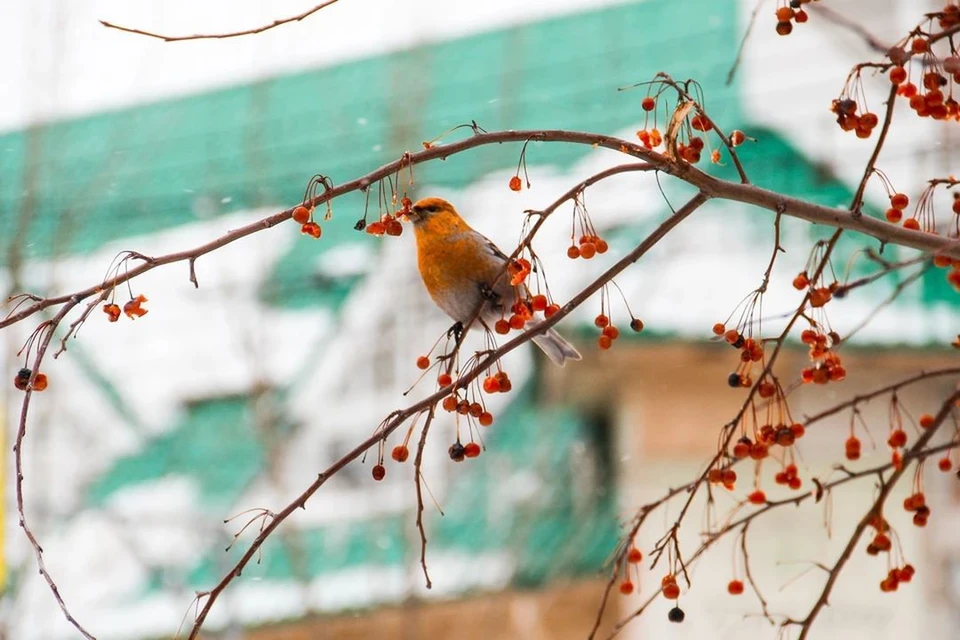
(414, 215)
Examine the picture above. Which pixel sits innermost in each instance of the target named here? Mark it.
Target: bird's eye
(433, 208)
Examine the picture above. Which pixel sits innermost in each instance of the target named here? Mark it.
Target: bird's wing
(494, 249)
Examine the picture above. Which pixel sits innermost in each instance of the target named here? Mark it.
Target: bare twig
(218, 36)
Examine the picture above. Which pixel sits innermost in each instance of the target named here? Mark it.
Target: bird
(460, 268)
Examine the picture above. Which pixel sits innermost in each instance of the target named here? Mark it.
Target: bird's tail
(556, 347)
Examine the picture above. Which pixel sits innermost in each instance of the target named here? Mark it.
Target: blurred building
(235, 395)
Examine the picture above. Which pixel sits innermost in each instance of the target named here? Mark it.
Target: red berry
(301, 215)
(379, 471)
(423, 362)
(757, 497)
(636, 325)
(604, 342)
(626, 587)
(648, 104)
(573, 252)
(515, 183)
(735, 587)
(899, 201)
(444, 379)
(485, 419)
(400, 453)
(944, 464)
(926, 421)
(634, 555)
(601, 321)
(539, 302)
(471, 450)
(502, 327)
(719, 329)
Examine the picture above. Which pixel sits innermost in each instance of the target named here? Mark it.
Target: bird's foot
(456, 331)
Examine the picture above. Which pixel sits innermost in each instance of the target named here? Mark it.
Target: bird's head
(427, 209)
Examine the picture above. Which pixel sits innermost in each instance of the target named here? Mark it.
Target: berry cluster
(788, 14)
(827, 366)
(303, 214)
(132, 309)
(22, 379)
(751, 351)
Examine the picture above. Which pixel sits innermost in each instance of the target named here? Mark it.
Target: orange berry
(379, 471)
(515, 183)
(757, 497)
(444, 380)
(550, 310)
(634, 555)
(601, 321)
(899, 201)
(648, 104)
(626, 587)
(602, 245)
(611, 332)
(671, 591)
(852, 446)
(920, 45)
(944, 464)
(539, 302)
(517, 322)
(893, 216)
(801, 281)
(471, 450)
(449, 403)
(502, 327)
(737, 137)
(785, 14)
(301, 215)
(573, 252)
(40, 382)
(400, 453)
(485, 419)
(423, 362)
(719, 329)
(898, 75)
(491, 384)
(113, 311)
(376, 228)
(588, 250)
(926, 421)
(604, 342)
(869, 120)
(393, 227)
(897, 439)
(735, 587)
(798, 430)
(941, 261)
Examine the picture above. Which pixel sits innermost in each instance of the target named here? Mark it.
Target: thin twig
(217, 36)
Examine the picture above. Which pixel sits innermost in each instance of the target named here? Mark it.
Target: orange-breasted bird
(460, 266)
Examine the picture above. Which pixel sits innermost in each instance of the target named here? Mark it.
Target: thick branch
(883, 231)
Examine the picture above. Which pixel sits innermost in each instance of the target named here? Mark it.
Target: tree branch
(218, 36)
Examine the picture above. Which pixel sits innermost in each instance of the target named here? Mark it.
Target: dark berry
(733, 380)
(360, 225)
(676, 615)
(456, 452)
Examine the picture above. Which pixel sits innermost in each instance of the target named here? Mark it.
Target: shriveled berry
(456, 452)
(400, 453)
